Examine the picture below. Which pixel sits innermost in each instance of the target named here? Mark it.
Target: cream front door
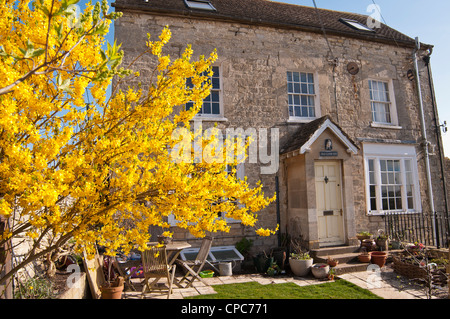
(329, 203)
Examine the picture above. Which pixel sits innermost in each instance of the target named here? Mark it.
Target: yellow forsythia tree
(101, 172)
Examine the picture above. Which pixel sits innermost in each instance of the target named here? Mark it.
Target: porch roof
(307, 134)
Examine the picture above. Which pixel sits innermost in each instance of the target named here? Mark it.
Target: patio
(386, 284)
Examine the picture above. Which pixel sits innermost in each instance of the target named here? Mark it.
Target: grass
(339, 289)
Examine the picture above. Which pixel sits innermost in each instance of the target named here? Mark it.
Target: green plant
(301, 256)
(364, 233)
(35, 288)
(244, 246)
(439, 261)
(382, 235)
(273, 269)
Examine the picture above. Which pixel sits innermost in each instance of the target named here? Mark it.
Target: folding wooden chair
(193, 267)
(154, 264)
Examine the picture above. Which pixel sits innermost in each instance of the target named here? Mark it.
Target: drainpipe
(277, 191)
(425, 141)
(426, 59)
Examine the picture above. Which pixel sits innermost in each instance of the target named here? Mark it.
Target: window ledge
(388, 126)
(383, 213)
(300, 120)
(210, 118)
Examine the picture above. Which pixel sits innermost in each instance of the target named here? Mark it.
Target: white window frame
(379, 152)
(200, 5)
(215, 117)
(316, 96)
(391, 104)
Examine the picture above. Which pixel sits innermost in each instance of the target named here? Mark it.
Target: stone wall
(254, 61)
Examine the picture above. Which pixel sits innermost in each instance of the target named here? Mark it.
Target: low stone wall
(80, 292)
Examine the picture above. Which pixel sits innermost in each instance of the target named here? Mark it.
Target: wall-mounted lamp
(444, 127)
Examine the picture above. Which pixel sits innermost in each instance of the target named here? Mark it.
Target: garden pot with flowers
(300, 263)
(320, 270)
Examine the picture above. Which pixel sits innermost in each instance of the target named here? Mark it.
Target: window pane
(215, 108)
(215, 96)
(289, 76)
(303, 77)
(408, 165)
(304, 111)
(216, 71)
(290, 88)
(215, 83)
(371, 165)
(410, 203)
(304, 88)
(206, 108)
(373, 204)
(304, 100)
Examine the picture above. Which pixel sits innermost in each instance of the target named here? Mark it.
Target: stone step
(342, 258)
(335, 250)
(350, 267)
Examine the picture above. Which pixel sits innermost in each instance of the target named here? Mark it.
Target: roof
(307, 134)
(272, 13)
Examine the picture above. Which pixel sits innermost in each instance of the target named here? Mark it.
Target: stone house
(356, 135)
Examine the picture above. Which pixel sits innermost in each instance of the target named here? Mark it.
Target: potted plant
(382, 240)
(365, 256)
(320, 270)
(332, 262)
(364, 235)
(379, 258)
(331, 274)
(300, 263)
(262, 262)
(274, 269)
(112, 289)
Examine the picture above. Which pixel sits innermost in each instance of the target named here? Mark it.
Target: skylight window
(356, 25)
(200, 4)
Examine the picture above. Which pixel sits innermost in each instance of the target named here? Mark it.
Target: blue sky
(415, 18)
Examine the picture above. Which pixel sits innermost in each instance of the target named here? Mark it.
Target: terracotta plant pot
(332, 263)
(379, 258)
(365, 258)
(112, 292)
